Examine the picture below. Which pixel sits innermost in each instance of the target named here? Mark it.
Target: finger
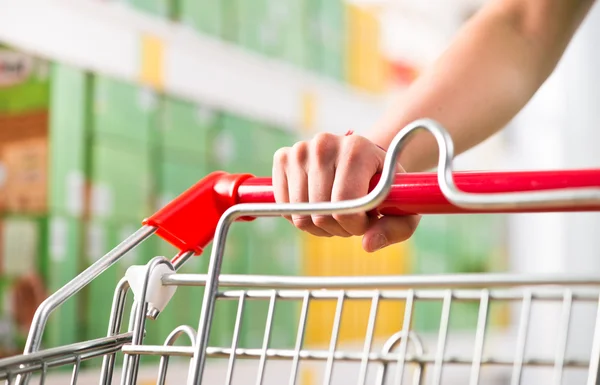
(359, 161)
(297, 179)
(280, 182)
(386, 231)
(321, 174)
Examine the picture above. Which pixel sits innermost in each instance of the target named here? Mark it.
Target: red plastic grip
(189, 222)
(419, 193)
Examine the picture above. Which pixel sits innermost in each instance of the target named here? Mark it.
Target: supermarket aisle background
(87, 152)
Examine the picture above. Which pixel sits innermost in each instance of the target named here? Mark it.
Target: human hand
(336, 168)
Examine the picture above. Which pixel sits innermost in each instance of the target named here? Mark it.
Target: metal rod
(266, 339)
(114, 326)
(522, 338)
(476, 281)
(442, 338)
(480, 336)
(465, 295)
(563, 337)
(594, 367)
(169, 341)
(235, 338)
(408, 308)
(299, 338)
(364, 364)
(334, 336)
(350, 356)
(75, 285)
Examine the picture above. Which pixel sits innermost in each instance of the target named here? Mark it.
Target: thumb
(386, 231)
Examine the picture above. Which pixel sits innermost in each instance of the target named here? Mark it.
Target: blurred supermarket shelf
(116, 40)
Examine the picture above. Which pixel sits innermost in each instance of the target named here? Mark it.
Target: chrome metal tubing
(366, 203)
(478, 281)
(74, 286)
(62, 355)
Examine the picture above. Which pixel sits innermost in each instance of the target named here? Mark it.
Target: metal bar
(408, 308)
(266, 339)
(69, 351)
(67, 360)
(443, 335)
(170, 341)
(235, 338)
(445, 281)
(480, 336)
(595, 354)
(522, 338)
(334, 337)
(75, 371)
(299, 338)
(75, 285)
(352, 356)
(563, 337)
(364, 364)
(114, 326)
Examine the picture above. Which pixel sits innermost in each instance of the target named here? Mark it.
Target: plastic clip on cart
(206, 212)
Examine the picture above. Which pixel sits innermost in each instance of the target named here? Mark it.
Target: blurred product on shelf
(24, 85)
(367, 67)
(26, 166)
(457, 244)
(203, 16)
(345, 257)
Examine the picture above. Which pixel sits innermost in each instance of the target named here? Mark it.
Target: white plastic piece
(157, 294)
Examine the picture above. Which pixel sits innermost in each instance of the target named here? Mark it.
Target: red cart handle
(189, 221)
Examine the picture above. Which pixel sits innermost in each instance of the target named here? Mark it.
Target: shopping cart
(206, 212)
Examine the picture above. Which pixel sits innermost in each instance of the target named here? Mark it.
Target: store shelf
(113, 39)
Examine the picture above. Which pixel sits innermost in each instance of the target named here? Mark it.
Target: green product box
(25, 85)
(22, 240)
(230, 19)
(333, 34)
(253, 30)
(68, 123)
(162, 8)
(273, 250)
(124, 111)
(122, 180)
(186, 127)
(204, 16)
(100, 238)
(234, 146)
(271, 139)
(63, 246)
(293, 17)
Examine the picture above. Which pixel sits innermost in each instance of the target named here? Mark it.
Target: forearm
(491, 70)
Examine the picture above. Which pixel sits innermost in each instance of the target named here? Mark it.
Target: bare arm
(493, 67)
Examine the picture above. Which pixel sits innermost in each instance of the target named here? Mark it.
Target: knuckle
(300, 152)
(281, 156)
(302, 222)
(324, 144)
(321, 220)
(354, 148)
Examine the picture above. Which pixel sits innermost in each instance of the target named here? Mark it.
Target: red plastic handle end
(189, 221)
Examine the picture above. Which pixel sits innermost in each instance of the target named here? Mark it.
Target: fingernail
(377, 242)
